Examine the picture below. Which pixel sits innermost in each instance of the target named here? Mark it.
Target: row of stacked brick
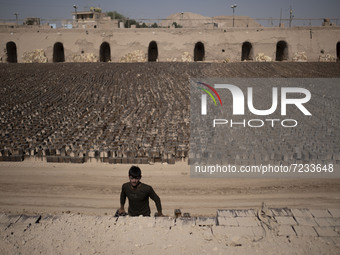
(115, 116)
(139, 113)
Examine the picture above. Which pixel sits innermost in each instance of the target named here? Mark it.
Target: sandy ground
(79, 234)
(82, 199)
(94, 188)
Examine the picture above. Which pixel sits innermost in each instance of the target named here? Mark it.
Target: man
(138, 194)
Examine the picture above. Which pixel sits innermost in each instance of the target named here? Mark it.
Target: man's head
(135, 174)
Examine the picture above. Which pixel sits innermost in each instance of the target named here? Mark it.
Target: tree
(154, 25)
(141, 25)
(176, 25)
(116, 15)
(130, 22)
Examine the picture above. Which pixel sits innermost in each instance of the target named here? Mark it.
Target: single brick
(225, 213)
(305, 231)
(286, 230)
(325, 222)
(247, 221)
(185, 221)
(305, 221)
(326, 231)
(281, 212)
(226, 221)
(302, 213)
(286, 220)
(236, 213)
(335, 212)
(245, 213)
(206, 221)
(320, 213)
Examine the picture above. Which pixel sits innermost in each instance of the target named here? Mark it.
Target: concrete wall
(219, 44)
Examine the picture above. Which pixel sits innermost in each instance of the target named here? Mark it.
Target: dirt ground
(45, 188)
(77, 203)
(79, 200)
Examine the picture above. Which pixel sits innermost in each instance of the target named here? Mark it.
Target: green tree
(154, 25)
(176, 25)
(116, 15)
(141, 25)
(130, 22)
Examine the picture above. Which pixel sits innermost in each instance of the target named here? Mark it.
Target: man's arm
(157, 200)
(122, 201)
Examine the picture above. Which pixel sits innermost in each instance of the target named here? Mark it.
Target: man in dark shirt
(138, 194)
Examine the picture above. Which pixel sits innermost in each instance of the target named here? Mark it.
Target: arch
(105, 52)
(247, 51)
(338, 51)
(281, 51)
(58, 52)
(199, 52)
(11, 49)
(152, 52)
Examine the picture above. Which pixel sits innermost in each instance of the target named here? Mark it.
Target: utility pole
(233, 7)
(76, 15)
(16, 16)
(290, 16)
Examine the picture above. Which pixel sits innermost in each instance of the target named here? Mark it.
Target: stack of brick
(85, 57)
(35, 56)
(300, 57)
(327, 58)
(135, 56)
(260, 57)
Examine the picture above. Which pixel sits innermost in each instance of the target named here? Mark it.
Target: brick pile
(139, 113)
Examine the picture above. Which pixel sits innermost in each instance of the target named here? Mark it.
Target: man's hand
(121, 211)
(159, 214)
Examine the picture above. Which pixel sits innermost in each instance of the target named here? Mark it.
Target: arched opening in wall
(152, 52)
(11, 49)
(58, 52)
(105, 52)
(338, 51)
(281, 51)
(247, 51)
(199, 51)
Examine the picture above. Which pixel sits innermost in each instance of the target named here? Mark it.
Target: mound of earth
(194, 20)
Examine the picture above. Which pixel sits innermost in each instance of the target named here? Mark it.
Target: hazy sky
(153, 9)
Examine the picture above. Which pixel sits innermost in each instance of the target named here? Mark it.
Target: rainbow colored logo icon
(209, 93)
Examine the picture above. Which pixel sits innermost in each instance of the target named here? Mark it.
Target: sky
(160, 9)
